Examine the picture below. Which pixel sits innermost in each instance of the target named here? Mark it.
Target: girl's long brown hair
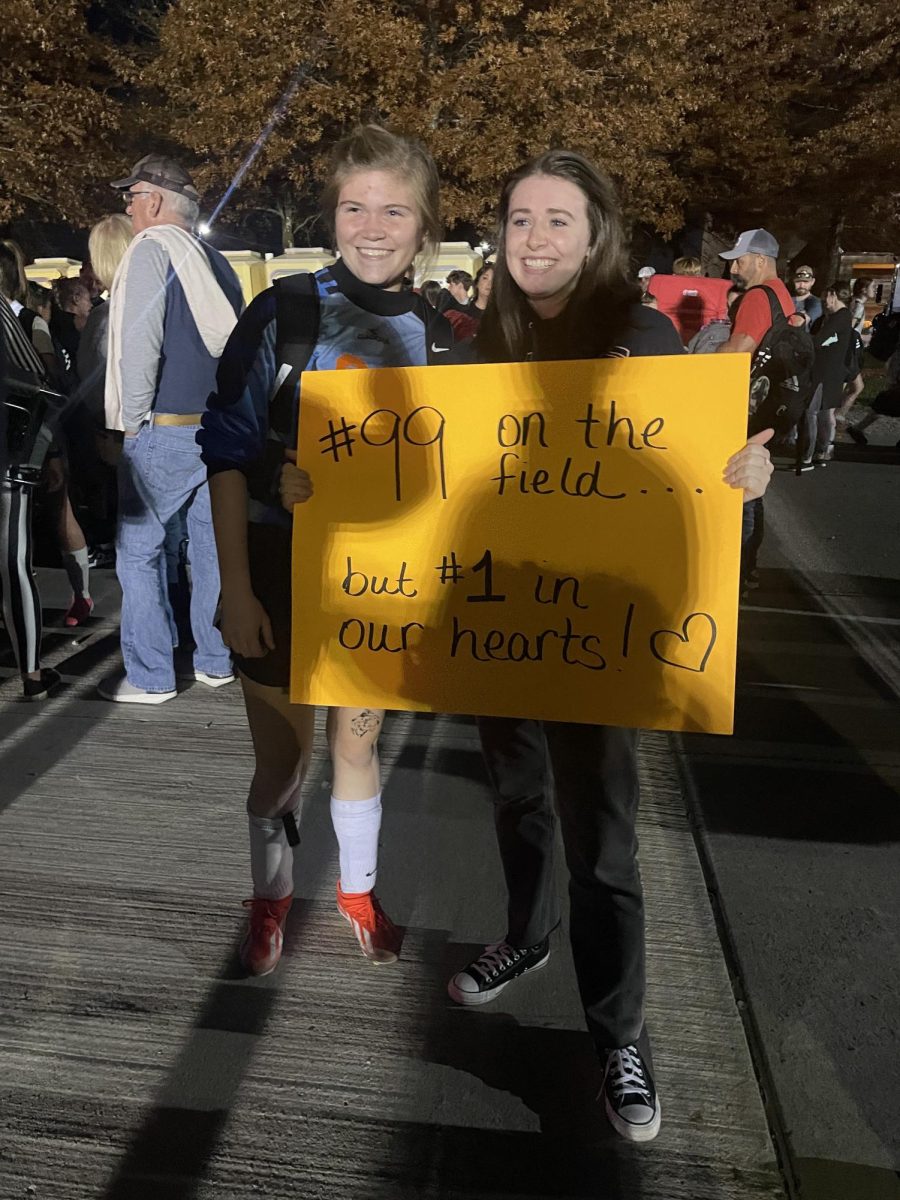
(598, 308)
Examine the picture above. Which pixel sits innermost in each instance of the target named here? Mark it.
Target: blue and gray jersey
(359, 326)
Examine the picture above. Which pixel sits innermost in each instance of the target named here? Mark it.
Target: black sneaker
(630, 1096)
(499, 964)
(40, 689)
(102, 555)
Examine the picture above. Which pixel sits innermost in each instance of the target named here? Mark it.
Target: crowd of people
(189, 402)
(829, 383)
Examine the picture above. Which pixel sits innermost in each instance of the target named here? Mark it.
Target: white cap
(646, 272)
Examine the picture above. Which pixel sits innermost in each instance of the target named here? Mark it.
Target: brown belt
(177, 418)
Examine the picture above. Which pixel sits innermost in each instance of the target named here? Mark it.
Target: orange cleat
(261, 947)
(378, 936)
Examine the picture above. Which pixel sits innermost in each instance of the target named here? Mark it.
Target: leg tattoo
(366, 722)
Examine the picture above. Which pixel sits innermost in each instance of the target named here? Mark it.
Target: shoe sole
(215, 681)
(634, 1133)
(148, 698)
(212, 681)
(258, 974)
(473, 999)
(379, 962)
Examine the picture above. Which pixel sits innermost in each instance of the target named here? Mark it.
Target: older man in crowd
(173, 303)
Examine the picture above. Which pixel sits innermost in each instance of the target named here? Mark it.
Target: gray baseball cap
(753, 241)
(162, 171)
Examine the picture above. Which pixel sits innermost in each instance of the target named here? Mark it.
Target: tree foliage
(803, 126)
(483, 84)
(778, 111)
(58, 121)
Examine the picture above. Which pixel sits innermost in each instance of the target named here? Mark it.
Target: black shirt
(643, 332)
(832, 338)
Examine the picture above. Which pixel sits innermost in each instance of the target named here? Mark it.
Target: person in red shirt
(753, 262)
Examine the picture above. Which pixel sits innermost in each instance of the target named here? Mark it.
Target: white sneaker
(211, 680)
(120, 691)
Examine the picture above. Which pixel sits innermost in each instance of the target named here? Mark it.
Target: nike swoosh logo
(832, 341)
(439, 349)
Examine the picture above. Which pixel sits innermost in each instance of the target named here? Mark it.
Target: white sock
(78, 571)
(271, 858)
(356, 825)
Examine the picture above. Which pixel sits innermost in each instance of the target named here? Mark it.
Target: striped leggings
(21, 602)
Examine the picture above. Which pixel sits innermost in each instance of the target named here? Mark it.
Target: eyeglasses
(129, 196)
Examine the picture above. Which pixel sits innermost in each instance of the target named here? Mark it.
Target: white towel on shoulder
(210, 307)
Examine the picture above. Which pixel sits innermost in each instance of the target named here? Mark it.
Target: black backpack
(885, 335)
(780, 373)
(296, 334)
(32, 413)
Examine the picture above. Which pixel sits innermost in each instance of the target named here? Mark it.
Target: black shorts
(269, 554)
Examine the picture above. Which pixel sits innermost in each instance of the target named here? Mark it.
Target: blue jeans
(161, 472)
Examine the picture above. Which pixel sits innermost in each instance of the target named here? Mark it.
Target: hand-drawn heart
(684, 639)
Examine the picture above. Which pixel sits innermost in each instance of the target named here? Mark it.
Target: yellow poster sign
(551, 540)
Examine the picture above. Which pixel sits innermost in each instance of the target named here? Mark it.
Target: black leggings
(21, 602)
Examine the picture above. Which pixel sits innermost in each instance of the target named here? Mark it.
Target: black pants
(753, 529)
(594, 769)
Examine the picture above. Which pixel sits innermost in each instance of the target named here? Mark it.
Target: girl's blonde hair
(108, 241)
(373, 148)
(687, 266)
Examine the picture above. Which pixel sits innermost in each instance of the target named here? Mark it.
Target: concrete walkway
(137, 1064)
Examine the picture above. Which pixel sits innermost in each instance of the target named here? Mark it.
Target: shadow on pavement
(170, 1154)
(809, 766)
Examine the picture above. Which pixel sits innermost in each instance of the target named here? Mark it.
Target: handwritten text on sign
(551, 540)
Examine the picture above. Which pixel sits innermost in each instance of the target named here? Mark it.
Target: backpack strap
(775, 309)
(296, 334)
(296, 319)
